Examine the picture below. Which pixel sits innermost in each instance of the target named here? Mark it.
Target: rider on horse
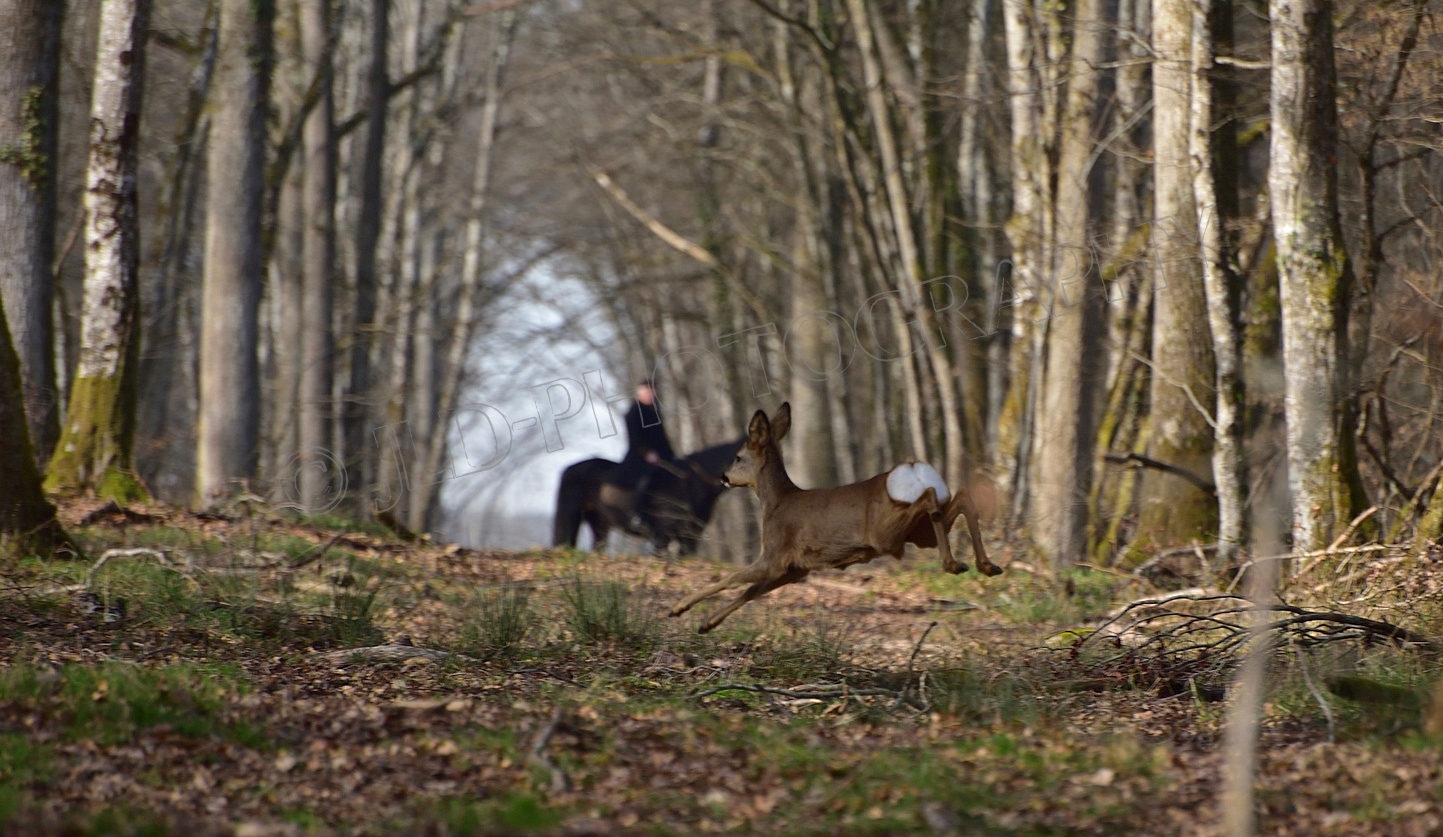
(649, 449)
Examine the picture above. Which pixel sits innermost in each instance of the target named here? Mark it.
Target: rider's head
(645, 392)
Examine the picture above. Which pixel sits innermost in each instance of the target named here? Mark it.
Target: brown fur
(805, 530)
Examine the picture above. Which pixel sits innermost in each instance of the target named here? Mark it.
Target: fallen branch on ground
(316, 553)
(560, 782)
(135, 552)
(392, 654)
(817, 691)
(1199, 636)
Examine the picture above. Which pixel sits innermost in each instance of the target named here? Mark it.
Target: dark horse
(677, 506)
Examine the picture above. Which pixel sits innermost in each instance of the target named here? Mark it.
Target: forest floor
(221, 696)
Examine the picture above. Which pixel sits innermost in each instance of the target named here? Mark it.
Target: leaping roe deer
(805, 530)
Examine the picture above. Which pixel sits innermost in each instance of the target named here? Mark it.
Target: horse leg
(569, 511)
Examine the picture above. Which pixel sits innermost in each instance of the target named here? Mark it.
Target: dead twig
(560, 782)
(911, 671)
(817, 692)
(1317, 696)
(391, 654)
(316, 553)
(1149, 462)
(135, 552)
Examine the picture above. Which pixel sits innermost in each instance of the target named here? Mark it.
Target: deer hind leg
(761, 588)
(750, 574)
(962, 503)
(928, 501)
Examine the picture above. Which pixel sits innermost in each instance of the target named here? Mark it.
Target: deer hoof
(955, 568)
(990, 569)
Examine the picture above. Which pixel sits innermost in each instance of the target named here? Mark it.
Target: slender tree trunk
(359, 409)
(29, 115)
(803, 343)
(421, 413)
(975, 172)
(166, 420)
(1026, 230)
(1131, 99)
(318, 246)
(230, 292)
(94, 448)
(464, 326)
(282, 334)
(907, 245)
(1172, 510)
(1314, 273)
(1224, 297)
(404, 276)
(1066, 433)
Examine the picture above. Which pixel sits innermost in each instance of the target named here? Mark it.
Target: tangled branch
(1194, 639)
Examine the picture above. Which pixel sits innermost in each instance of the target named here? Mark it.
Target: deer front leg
(754, 572)
(963, 502)
(944, 548)
(759, 589)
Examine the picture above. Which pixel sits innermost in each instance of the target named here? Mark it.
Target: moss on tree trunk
(27, 519)
(94, 448)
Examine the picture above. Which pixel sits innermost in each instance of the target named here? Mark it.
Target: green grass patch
(338, 522)
(608, 612)
(1382, 692)
(809, 651)
(512, 813)
(248, 607)
(111, 702)
(497, 622)
(24, 766)
(985, 696)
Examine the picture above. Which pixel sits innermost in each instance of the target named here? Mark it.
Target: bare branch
(674, 239)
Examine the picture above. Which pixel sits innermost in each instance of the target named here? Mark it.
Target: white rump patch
(907, 482)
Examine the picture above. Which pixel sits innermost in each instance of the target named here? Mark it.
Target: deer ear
(782, 421)
(759, 431)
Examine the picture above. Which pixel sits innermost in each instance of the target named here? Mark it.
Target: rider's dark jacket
(645, 434)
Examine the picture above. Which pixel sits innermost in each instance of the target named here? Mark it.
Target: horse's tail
(570, 501)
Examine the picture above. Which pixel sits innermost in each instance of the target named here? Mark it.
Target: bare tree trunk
(281, 336)
(906, 236)
(976, 186)
(166, 418)
(1026, 230)
(1066, 434)
(318, 257)
(806, 351)
(25, 515)
(421, 411)
(1132, 101)
(803, 344)
(358, 409)
(230, 292)
(1249, 688)
(1224, 293)
(399, 297)
(94, 448)
(29, 116)
(1172, 510)
(464, 326)
(1313, 267)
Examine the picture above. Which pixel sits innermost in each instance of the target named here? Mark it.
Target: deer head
(763, 435)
